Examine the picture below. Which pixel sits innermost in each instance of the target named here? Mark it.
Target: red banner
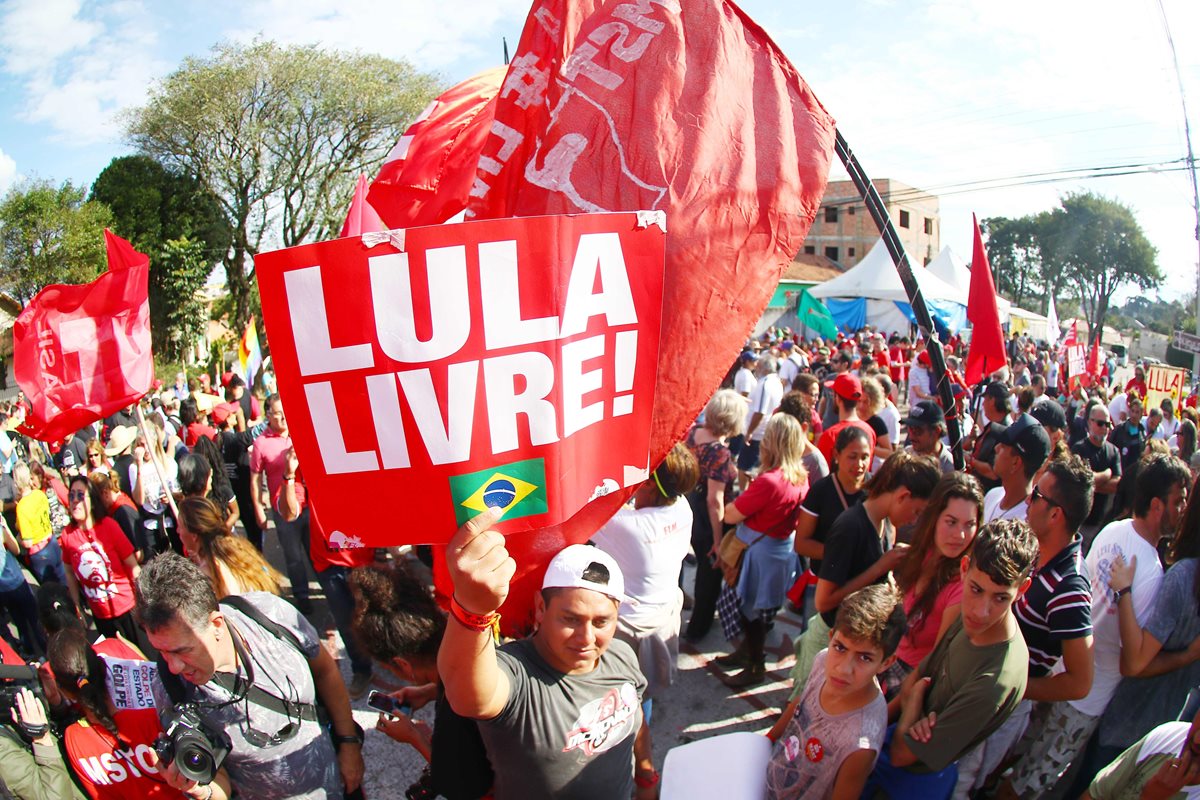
(81, 353)
(505, 362)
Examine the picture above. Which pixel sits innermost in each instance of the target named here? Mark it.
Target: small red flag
(361, 217)
(81, 353)
(987, 338)
(429, 173)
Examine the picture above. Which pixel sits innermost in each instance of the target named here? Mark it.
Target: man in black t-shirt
(1129, 437)
(1105, 462)
(997, 404)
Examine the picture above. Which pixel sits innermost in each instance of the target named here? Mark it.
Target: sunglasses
(1103, 423)
(1037, 495)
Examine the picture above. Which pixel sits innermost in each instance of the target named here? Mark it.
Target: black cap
(926, 412)
(1000, 393)
(1049, 413)
(1028, 438)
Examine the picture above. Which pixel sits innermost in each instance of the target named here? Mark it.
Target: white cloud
(79, 66)
(8, 172)
(430, 36)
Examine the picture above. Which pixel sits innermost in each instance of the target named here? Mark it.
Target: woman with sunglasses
(101, 563)
(111, 748)
(96, 460)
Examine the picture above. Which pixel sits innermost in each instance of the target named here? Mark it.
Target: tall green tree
(50, 234)
(1014, 251)
(278, 134)
(181, 226)
(1098, 246)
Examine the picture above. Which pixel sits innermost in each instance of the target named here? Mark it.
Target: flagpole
(162, 475)
(891, 239)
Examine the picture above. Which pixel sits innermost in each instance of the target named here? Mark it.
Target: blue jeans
(293, 540)
(47, 564)
(341, 603)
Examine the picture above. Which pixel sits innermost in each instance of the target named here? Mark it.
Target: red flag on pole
(81, 353)
(1093, 366)
(987, 338)
(361, 217)
(429, 173)
(691, 110)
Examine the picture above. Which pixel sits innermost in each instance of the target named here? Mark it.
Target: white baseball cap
(582, 566)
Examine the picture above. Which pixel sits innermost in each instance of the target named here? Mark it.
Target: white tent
(954, 271)
(1030, 323)
(875, 280)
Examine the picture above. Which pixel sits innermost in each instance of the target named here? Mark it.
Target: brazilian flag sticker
(519, 488)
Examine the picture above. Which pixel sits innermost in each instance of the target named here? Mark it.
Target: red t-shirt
(771, 504)
(193, 432)
(107, 769)
(1135, 385)
(336, 550)
(97, 558)
(829, 437)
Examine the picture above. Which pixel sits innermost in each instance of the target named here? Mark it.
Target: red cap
(846, 386)
(225, 379)
(222, 412)
(923, 358)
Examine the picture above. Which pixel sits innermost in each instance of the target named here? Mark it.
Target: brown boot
(752, 675)
(735, 660)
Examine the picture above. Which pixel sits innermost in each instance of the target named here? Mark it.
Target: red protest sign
(506, 362)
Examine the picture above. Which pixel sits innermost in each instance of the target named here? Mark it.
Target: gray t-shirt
(305, 766)
(1141, 704)
(569, 737)
(806, 759)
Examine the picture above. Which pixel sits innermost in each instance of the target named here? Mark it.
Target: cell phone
(387, 704)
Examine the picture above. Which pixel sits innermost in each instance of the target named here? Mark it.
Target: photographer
(260, 683)
(31, 765)
(111, 750)
(401, 626)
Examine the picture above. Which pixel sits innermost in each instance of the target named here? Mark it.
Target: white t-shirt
(649, 544)
(992, 510)
(1166, 429)
(764, 399)
(743, 381)
(789, 368)
(1118, 409)
(891, 418)
(1117, 538)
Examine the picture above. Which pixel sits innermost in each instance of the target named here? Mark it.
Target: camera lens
(194, 761)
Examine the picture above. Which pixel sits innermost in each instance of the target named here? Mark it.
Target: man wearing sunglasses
(1055, 615)
(269, 691)
(1105, 460)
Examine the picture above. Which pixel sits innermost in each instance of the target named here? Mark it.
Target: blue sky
(934, 93)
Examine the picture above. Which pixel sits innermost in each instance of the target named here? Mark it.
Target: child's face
(852, 664)
(985, 602)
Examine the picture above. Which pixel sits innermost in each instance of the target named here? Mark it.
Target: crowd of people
(1003, 628)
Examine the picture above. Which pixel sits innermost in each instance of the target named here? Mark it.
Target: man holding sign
(571, 680)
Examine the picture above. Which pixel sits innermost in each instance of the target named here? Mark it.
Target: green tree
(50, 234)
(1015, 253)
(1098, 247)
(278, 134)
(180, 225)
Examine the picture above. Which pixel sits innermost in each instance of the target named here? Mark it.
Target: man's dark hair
(269, 403)
(804, 382)
(396, 616)
(795, 404)
(905, 470)
(172, 588)
(873, 614)
(1156, 478)
(193, 474)
(188, 410)
(1074, 484)
(1006, 551)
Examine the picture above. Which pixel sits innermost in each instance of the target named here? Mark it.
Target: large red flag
(987, 338)
(429, 173)
(361, 217)
(684, 107)
(81, 353)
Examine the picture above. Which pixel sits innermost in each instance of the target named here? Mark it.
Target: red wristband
(476, 622)
(646, 783)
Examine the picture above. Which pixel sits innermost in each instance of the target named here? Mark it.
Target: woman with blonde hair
(35, 526)
(230, 562)
(723, 418)
(96, 460)
(766, 518)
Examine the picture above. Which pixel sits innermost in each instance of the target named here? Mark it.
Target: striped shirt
(1057, 606)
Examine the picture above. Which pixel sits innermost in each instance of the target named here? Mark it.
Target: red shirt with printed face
(96, 556)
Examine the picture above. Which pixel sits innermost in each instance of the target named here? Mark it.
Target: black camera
(12, 680)
(197, 749)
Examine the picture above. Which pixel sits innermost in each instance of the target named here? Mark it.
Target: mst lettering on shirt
(108, 768)
(569, 737)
